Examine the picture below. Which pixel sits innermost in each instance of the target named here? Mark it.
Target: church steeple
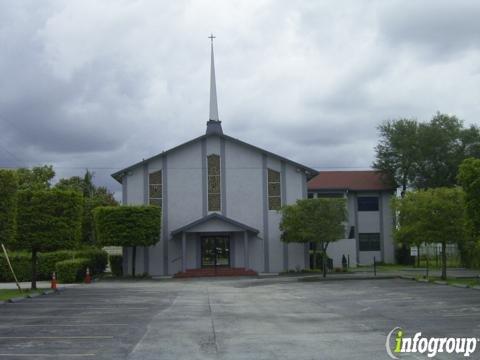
(214, 125)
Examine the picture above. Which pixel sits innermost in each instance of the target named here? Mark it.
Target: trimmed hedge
(8, 205)
(127, 225)
(97, 259)
(116, 264)
(69, 271)
(21, 262)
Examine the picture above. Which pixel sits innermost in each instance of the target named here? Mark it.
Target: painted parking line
(47, 355)
(89, 324)
(55, 337)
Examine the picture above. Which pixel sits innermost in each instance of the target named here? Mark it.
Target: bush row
(70, 271)
(96, 260)
(116, 264)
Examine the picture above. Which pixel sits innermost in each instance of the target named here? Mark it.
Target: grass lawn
(6, 294)
(450, 281)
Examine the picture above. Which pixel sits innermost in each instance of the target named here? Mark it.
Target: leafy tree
(8, 205)
(93, 197)
(397, 152)
(469, 179)
(425, 155)
(130, 226)
(431, 216)
(37, 178)
(47, 220)
(444, 143)
(318, 221)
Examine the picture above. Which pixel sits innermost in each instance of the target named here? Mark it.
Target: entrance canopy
(214, 223)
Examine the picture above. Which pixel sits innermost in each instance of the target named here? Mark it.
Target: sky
(103, 84)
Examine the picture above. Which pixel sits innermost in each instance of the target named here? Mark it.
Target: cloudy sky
(103, 84)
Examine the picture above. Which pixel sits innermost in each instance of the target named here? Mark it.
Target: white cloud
(104, 84)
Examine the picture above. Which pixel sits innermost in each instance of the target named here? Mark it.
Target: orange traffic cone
(53, 284)
(88, 278)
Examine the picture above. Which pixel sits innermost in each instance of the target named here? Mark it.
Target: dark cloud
(101, 85)
(442, 28)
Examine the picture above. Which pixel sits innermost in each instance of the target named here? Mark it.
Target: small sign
(414, 251)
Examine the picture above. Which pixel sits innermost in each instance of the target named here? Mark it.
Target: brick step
(209, 272)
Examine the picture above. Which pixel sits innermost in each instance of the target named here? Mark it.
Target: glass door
(215, 251)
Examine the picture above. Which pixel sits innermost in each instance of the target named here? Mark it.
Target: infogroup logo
(431, 346)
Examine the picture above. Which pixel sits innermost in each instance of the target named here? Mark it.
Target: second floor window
(155, 188)
(367, 203)
(214, 199)
(274, 190)
(369, 242)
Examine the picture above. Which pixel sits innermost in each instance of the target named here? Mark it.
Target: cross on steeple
(211, 37)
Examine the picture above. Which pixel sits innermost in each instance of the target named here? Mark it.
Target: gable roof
(349, 180)
(309, 171)
(211, 217)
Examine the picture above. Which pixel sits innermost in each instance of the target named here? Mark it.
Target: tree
(47, 220)
(130, 226)
(93, 197)
(431, 216)
(469, 179)
(444, 144)
(318, 221)
(37, 178)
(425, 155)
(397, 152)
(8, 205)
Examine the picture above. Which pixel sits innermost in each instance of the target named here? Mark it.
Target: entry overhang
(214, 222)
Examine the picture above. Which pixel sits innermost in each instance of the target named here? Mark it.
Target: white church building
(220, 198)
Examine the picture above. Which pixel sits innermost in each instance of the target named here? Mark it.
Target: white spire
(213, 87)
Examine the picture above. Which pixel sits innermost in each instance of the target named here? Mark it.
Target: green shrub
(21, 263)
(97, 259)
(116, 264)
(127, 226)
(69, 271)
(47, 261)
(47, 220)
(8, 205)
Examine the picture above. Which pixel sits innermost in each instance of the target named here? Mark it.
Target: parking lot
(233, 319)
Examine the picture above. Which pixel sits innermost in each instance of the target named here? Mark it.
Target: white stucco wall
(244, 202)
(337, 249)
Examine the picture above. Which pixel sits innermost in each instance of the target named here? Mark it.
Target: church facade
(220, 199)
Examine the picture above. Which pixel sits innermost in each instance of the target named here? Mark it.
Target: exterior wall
(369, 222)
(380, 221)
(337, 249)
(244, 199)
(387, 223)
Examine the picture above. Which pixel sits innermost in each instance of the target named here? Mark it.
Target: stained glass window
(214, 187)
(274, 190)
(155, 188)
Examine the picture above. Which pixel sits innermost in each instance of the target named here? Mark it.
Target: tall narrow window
(274, 197)
(155, 188)
(214, 200)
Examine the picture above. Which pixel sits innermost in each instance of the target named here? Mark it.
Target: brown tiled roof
(349, 180)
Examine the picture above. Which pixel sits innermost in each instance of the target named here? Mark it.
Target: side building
(370, 220)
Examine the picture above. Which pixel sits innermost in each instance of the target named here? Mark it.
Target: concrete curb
(439, 282)
(31, 296)
(34, 295)
(17, 299)
(332, 278)
(460, 285)
(476, 287)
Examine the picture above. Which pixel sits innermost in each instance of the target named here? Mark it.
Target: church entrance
(215, 251)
